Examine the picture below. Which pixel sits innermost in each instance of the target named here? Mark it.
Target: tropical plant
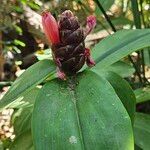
(93, 108)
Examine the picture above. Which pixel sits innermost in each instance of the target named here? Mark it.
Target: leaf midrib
(74, 99)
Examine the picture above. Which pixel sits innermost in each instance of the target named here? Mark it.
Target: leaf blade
(119, 45)
(29, 79)
(58, 128)
(56, 98)
(124, 92)
(142, 94)
(94, 106)
(142, 130)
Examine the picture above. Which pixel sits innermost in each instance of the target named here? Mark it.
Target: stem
(142, 13)
(1, 58)
(144, 23)
(136, 68)
(84, 6)
(106, 16)
(136, 14)
(137, 21)
(104, 26)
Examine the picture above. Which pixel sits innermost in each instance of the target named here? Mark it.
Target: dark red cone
(70, 52)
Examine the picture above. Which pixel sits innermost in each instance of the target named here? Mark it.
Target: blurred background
(22, 41)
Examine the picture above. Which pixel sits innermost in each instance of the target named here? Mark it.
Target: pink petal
(91, 23)
(89, 61)
(50, 27)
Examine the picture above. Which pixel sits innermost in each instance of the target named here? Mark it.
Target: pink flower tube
(50, 27)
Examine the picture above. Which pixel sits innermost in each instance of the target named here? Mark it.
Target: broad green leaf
(21, 118)
(124, 92)
(23, 142)
(25, 100)
(142, 130)
(29, 79)
(55, 124)
(142, 94)
(98, 107)
(121, 68)
(119, 45)
(86, 116)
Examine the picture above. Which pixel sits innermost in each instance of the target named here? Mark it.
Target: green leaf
(142, 94)
(119, 45)
(21, 118)
(23, 142)
(121, 68)
(105, 4)
(86, 116)
(29, 79)
(33, 5)
(142, 130)
(124, 92)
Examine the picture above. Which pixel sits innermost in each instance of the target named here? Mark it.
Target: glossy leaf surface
(80, 117)
(119, 45)
(142, 94)
(124, 92)
(29, 79)
(121, 68)
(21, 118)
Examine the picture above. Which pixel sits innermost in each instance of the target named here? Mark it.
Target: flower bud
(50, 27)
(91, 23)
(67, 39)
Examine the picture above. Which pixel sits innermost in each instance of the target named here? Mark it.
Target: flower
(91, 23)
(67, 41)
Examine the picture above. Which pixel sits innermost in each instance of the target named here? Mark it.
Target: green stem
(137, 21)
(106, 16)
(142, 13)
(136, 68)
(136, 14)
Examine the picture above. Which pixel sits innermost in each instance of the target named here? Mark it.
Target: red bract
(50, 27)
